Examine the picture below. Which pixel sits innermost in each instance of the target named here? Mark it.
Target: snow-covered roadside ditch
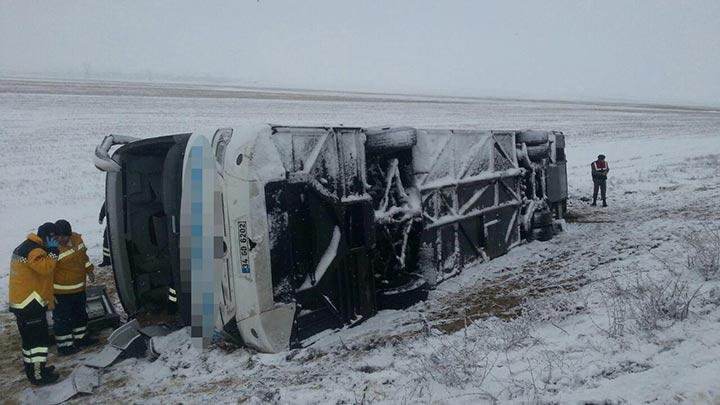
(534, 325)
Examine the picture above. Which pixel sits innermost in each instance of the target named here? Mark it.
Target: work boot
(594, 203)
(48, 376)
(30, 372)
(86, 341)
(604, 203)
(104, 263)
(68, 350)
(38, 374)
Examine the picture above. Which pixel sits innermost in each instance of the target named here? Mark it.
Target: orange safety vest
(72, 267)
(600, 165)
(31, 274)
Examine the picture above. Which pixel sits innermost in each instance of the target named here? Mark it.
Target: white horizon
(614, 51)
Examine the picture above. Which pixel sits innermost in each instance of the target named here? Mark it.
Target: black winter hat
(601, 157)
(47, 229)
(63, 227)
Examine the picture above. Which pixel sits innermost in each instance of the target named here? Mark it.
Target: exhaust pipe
(102, 158)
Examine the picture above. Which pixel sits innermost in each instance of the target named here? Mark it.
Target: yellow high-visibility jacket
(31, 274)
(72, 267)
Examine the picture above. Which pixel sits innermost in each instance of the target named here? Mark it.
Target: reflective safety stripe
(68, 287)
(79, 336)
(63, 338)
(88, 264)
(65, 344)
(36, 350)
(81, 246)
(172, 291)
(66, 254)
(171, 298)
(80, 329)
(35, 359)
(34, 296)
(106, 250)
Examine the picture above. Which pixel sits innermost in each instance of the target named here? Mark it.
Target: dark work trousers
(599, 184)
(33, 327)
(69, 318)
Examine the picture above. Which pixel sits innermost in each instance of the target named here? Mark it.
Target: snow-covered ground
(559, 321)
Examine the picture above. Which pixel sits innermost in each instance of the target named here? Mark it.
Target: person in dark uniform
(70, 317)
(32, 267)
(599, 170)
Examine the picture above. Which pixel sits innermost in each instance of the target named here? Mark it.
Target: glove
(91, 276)
(52, 246)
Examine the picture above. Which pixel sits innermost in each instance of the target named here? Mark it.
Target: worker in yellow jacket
(31, 294)
(73, 267)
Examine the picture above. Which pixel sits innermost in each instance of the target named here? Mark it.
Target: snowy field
(609, 311)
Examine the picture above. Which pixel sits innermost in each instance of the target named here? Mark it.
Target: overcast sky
(654, 51)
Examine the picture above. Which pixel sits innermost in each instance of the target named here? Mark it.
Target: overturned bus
(302, 229)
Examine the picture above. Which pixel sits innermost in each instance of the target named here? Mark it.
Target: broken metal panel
(123, 336)
(86, 379)
(120, 340)
(104, 358)
(82, 380)
(127, 340)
